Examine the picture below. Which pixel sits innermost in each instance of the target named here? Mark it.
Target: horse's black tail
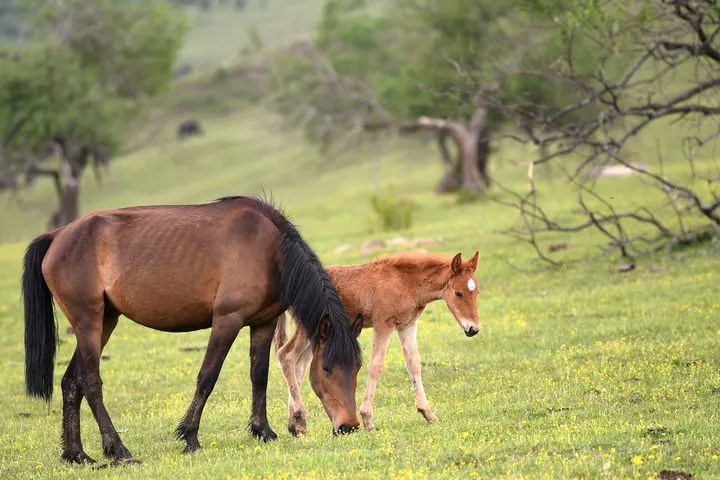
(40, 328)
(306, 287)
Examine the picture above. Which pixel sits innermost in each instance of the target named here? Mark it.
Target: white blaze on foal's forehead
(471, 285)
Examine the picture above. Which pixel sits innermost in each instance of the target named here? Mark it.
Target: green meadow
(578, 372)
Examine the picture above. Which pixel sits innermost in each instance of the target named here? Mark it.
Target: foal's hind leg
(408, 341)
(260, 340)
(293, 357)
(222, 336)
(381, 338)
(92, 334)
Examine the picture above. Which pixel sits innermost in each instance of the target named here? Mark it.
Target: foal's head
(461, 293)
(334, 382)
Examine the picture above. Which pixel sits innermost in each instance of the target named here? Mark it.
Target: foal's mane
(306, 286)
(414, 262)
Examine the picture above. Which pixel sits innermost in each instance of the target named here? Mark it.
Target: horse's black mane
(306, 287)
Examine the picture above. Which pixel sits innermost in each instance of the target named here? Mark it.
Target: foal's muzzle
(471, 330)
(345, 429)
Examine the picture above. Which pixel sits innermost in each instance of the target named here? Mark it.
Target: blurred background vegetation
(568, 91)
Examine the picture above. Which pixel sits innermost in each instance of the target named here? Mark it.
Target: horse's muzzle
(345, 429)
(471, 331)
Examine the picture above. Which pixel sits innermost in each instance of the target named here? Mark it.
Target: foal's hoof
(367, 421)
(428, 414)
(297, 425)
(296, 430)
(80, 458)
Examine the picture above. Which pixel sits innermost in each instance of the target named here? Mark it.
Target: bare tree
(674, 76)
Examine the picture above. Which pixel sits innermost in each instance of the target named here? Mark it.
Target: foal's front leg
(381, 337)
(408, 340)
(260, 339)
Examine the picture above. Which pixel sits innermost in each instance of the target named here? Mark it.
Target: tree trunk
(68, 187)
(452, 179)
(469, 172)
(68, 209)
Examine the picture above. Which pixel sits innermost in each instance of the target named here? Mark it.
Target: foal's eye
(458, 293)
(326, 371)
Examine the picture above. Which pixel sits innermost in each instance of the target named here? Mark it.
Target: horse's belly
(162, 312)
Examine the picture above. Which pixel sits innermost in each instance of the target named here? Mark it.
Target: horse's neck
(427, 280)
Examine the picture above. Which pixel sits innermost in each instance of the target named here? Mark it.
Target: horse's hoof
(263, 433)
(191, 449)
(269, 436)
(121, 462)
(79, 458)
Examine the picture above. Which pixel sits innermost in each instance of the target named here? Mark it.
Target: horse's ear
(324, 330)
(473, 262)
(357, 325)
(456, 264)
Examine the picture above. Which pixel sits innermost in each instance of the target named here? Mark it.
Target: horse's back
(165, 266)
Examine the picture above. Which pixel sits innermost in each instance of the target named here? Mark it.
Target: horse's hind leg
(92, 333)
(260, 340)
(222, 336)
(408, 341)
(293, 357)
(72, 398)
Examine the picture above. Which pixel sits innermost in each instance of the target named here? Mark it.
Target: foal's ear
(357, 325)
(456, 264)
(473, 262)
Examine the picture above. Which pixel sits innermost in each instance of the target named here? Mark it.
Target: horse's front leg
(260, 340)
(408, 340)
(222, 335)
(381, 337)
(293, 358)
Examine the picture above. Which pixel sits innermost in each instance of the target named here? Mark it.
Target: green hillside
(220, 35)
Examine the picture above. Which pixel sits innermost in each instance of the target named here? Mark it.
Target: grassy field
(582, 372)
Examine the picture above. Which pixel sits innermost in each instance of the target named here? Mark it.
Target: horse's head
(461, 293)
(334, 382)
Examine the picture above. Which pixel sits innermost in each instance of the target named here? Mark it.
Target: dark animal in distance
(189, 128)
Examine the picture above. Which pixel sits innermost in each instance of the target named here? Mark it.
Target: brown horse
(225, 265)
(387, 294)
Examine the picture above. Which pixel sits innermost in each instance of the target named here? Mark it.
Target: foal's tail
(40, 328)
(306, 287)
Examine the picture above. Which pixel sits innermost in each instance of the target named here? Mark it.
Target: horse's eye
(458, 293)
(326, 370)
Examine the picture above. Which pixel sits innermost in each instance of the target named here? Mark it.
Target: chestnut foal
(386, 294)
